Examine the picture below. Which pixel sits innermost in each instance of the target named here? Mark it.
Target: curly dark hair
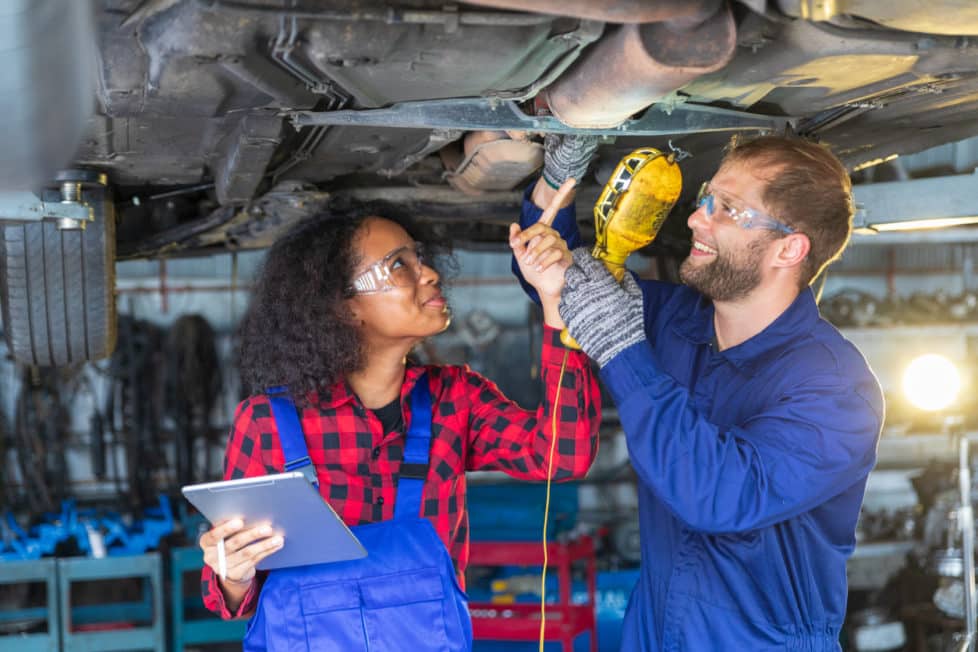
(297, 331)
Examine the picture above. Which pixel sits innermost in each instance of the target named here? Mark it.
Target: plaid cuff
(552, 352)
(215, 596)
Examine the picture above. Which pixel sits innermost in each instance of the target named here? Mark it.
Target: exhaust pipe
(659, 46)
(632, 68)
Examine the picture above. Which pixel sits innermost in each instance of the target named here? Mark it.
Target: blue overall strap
(417, 443)
(290, 434)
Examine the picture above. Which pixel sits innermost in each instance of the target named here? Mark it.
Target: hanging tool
(632, 208)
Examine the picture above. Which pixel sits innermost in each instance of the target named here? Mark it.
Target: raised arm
(506, 437)
(815, 440)
(564, 157)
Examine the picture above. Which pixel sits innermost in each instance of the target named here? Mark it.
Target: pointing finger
(550, 212)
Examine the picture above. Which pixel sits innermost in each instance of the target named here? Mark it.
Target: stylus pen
(222, 561)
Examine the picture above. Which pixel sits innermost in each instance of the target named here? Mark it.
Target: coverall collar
(749, 356)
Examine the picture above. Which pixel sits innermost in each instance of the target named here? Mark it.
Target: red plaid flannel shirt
(474, 427)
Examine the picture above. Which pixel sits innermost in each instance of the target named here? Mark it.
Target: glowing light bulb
(931, 382)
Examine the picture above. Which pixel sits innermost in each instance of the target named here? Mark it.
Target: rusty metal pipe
(637, 65)
(618, 11)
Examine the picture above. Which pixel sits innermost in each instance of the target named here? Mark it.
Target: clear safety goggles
(745, 218)
(400, 268)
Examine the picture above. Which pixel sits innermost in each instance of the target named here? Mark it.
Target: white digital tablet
(313, 532)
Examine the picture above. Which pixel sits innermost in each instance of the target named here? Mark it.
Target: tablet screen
(313, 532)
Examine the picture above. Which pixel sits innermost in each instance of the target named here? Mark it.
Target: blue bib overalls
(403, 596)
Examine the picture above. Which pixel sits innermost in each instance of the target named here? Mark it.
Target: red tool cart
(521, 621)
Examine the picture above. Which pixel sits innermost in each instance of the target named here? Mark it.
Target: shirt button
(380, 500)
(375, 453)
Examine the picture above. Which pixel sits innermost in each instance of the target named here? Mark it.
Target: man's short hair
(808, 188)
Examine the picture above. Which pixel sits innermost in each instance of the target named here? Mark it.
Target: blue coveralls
(752, 464)
(403, 596)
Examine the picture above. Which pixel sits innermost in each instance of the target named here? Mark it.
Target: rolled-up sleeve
(506, 437)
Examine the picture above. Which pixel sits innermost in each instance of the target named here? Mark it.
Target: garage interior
(91, 466)
(97, 544)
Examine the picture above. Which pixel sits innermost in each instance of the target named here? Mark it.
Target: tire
(58, 287)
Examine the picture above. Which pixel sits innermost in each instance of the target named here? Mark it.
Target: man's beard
(728, 277)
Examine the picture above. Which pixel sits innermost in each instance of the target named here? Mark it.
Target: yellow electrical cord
(546, 504)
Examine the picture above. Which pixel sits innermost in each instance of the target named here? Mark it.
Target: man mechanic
(751, 422)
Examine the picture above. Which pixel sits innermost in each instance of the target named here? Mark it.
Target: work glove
(566, 156)
(605, 318)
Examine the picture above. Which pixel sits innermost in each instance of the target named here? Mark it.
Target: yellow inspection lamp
(633, 205)
(632, 208)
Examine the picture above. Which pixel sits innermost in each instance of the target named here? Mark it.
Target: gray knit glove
(605, 318)
(566, 156)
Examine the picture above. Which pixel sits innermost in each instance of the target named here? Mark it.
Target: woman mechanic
(339, 305)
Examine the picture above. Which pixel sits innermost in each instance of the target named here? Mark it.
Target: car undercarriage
(217, 124)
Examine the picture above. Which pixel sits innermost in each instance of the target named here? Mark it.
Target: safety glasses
(400, 268)
(745, 218)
